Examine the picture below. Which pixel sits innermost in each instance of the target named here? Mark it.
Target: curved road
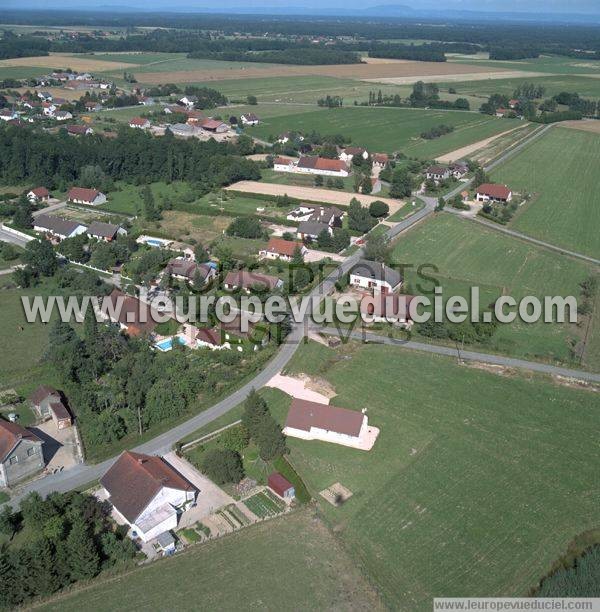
(83, 474)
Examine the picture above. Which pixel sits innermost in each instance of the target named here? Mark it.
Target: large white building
(310, 164)
(314, 421)
(147, 493)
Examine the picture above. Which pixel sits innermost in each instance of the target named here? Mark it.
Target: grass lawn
(391, 129)
(134, 57)
(303, 180)
(560, 169)
(470, 255)
(126, 198)
(473, 486)
(288, 563)
(405, 211)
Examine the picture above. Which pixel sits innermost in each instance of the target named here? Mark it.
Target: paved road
(508, 362)
(83, 474)
(49, 209)
(12, 238)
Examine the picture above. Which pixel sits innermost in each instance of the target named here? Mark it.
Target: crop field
(467, 254)
(473, 485)
(82, 63)
(550, 64)
(392, 129)
(586, 86)
(186, 70)
(289, 563)
(135, 58)
(560, 169)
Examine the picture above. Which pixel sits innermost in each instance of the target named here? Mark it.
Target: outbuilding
(281, 486)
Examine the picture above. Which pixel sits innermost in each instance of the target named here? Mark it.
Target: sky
(504, 6)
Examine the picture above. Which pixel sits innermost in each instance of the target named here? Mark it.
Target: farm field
(560, 169)
(283, 564)
(470, 487)
(126, 199)
(586, 86)
(462, 252)
(545, 63)
(81, 63)
(392, 129)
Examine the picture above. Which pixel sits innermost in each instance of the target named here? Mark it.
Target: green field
(289, 563)
(468, 255)
(473, 486)
(21, 72)
(545, 63)
(134, 57)
(586, 86)
(391, 129)
(126, 198)
(561, 170)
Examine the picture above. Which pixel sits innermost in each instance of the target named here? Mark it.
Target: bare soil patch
(591, 125)
(64, 60)
(336, 494)
(467, 150)
(388, 69)
(311, 194)
(474, 73)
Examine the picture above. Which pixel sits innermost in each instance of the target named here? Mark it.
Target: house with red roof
(147, 494)
(278, 248)
(39, 194)
(139, 123)
(493, 192)
(82, 195)
(21, 454)
(281, 486)
(216, 126)
(322, 165)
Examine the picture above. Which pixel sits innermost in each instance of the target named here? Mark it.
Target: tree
(255, 409)
(377, 248)
(222, 465)
(33, 510)
(341, 239)
(270, 439)
(480, 177)
(150, 211)
(252, 100)
(318, 180)
(74, 248)
(43, 576)
(365, 185)
(359, 218)
(200, 253)
(378, 209)
(22, 217)
(440, 205)
(8, 521)
(324, 240)
(40, 255)
(300, 273)
(84, 561)
(8, 593)
(401, 186)
(245, 227)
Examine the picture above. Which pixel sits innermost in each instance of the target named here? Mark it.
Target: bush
(246, 227)
(378, 209)
(222, 465)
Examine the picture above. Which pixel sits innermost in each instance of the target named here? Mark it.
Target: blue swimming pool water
(155, 243)
(167, 344)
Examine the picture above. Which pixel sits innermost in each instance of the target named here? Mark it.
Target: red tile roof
(77, 129)
(135, 479)
(248, 279)
(279, 483)
(283, 247)
(138, 121)
(134, 314)
(81, 193)
(41, 393)
(322, 163)
(40, 192)
(10, 435)
(210, 336)
(494, 190)
(304, 415)
(211, 124)
(282, 161)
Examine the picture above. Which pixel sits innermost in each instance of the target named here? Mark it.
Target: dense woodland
(29, 155)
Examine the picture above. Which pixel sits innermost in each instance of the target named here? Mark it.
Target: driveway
(210, 496)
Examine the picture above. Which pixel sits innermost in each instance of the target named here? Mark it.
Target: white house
(313, 421)
(140, 123)
(147, 493)
(81, 195)
(493, 192)
(105, 232)
(249, 119)
(58, 227)
(375, 276)
(188, 101)
(437, 173)
(62, 115)
(284, 164)
(39, 194)
(321, 165)
(7, 115)
(348, 154)
(278, 248)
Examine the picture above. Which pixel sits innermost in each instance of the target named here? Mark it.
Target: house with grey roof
(21, 454)
(376, 276)
(105, 231)
(57, 227)
(310, 230)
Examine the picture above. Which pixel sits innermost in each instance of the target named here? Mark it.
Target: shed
(282, 486)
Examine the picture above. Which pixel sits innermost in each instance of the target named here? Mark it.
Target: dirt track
(380, 70)
(466, 151)
(311, 194)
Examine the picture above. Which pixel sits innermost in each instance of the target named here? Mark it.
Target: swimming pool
(167, 344)
(154, 243)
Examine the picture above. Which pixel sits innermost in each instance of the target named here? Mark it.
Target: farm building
(21, 453)
(284, 164)
(375, 275)
(147, 493)
(278, 248)
(493, 192)
(323, 166)
(281, 486)
(314, 421)
(81, 195)
(214, 125)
